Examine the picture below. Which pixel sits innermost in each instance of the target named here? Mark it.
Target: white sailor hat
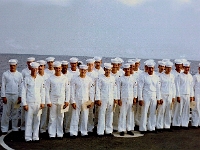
(127, 65)
(30, 59)
(149, 60)
(97, 58)
(85, 67)
(178, 61)
(186, 64)
(137, 60)
(119, 59)
(115, 61)
(64, 62)
(13, 61)
(41, 62)
(50, 59)
(183, 60)
(57, 64)
(150, 64)
(161, 63)
(73, 60)
(168, 64)
(90, 61)
(34, 65)
(165, 60)
(80, 62)
(108, 65)
(131, 62)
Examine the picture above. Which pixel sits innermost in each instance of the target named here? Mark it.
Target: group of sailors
(89, 98)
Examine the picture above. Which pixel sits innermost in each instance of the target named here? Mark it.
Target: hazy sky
(128, 28)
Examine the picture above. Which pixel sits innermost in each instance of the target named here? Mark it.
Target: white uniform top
(26, 72)
(82, 89)
(167, 84)
(45, 76)
(148, 84)
(138, 73)
(175, 73)
(127, 87)
(196, 82)
(93, 75)
(69, 76)
(100, 71)
(49, 72)
(57, 89)
(33, 90)
(120, 72)
(11, 83)
(184, 84)
(74, 73)
(106, 88)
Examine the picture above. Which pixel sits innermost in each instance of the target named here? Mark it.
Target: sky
(125, 28)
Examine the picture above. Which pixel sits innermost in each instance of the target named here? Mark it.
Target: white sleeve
(3, 86)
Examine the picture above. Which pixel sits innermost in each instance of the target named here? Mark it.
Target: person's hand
(158, 102)
(26, 107)
(41, 106)
(19, 100)
(120, 102)
(191, 99)
(161, 101)
(49, 105)
(178, 99)
(98, 102)
(173, 100)
(4, 100)
(74, 105)
(89, 106)
(115, 101)
(141, 102)
(65, 105)
(134, 101)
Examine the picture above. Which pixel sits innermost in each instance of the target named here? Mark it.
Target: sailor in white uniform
(73, 66)
(184, 94)
(196, 109)
(82, 98)
(50, 70)
(57, 98)
(127, 89)
(33, 99)
(149, 97)
(11, 96)
(106, 94)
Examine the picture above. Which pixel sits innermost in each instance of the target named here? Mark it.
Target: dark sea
(22, 63)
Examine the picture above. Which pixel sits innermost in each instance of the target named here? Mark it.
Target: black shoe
(36, 141)
(169, 130)
(114, 130)
(67, 134)
(130, 133)
(85, 136)
(159, 130)
(136, 128)
(110, 134)
(143, 132)
(4, 133)
(176, 128)
(52, 138)
(100, 136)
(121, 133)
(90, 133)
(60, 138)
(29, 141)
(73, 136)
(185, 128)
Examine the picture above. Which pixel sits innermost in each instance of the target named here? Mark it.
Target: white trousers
(196, 111)
(164, 112)
(82, 115)
(148, 107)
(44, 119)
(32, 122)
(105, 118)
(67, 119)
(126, 116)
(55, 121)
(7, 108)
(182, 112)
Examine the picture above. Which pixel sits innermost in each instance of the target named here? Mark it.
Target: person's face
(58, 69)
(127, 71)
(97, 63)
(114, 65)
(137, 64)
(50, 64)
(64, 67)
(90, 66)
(178, 66)
(107, 71)
(161, 68)
(82, 72)
(186, 69)
(168, 70)
(34, 71)
(28, 64)
(13, 68)
(150, 70)
(146, 68)
(73, 65)
(41, 67)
